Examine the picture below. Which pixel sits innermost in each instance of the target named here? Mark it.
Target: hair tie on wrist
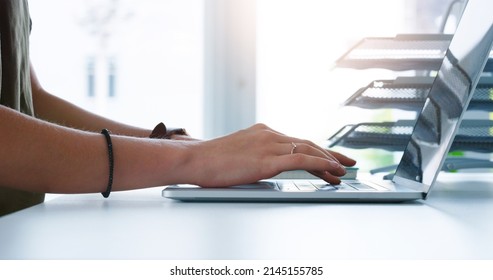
(106, 134)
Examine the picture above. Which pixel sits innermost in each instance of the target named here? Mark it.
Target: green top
(15, 85)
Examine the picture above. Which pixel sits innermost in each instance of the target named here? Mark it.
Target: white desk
(456, 222)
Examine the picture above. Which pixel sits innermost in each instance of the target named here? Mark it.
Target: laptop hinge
(417, 186)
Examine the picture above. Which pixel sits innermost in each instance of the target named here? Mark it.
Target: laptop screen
(449, 96)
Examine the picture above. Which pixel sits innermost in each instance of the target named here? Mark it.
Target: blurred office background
(216, 66)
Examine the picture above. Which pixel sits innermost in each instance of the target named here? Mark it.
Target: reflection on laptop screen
(449, 96)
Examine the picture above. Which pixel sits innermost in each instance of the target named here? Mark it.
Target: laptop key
(360, 186)
(325, 187)
(345, 187)
(305, 186)
(287, 187)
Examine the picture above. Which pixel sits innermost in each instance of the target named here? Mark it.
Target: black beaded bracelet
(106, 134)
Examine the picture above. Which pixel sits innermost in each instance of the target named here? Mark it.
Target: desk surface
(455, 222)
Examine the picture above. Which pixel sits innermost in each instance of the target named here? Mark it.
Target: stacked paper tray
(399, 53)
(473, 135)
(409, 93)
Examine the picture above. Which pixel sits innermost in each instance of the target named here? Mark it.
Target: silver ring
(293, 147)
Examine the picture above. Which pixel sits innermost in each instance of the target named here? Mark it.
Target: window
(139, 62)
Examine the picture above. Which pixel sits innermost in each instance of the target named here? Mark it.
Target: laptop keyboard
(295, 186)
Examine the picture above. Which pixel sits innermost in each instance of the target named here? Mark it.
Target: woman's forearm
(40, 156)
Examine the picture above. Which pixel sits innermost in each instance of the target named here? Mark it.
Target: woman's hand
(259, 153)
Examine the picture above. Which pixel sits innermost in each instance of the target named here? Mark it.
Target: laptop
(422, 159)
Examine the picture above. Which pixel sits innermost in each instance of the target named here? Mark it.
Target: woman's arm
(44, 157)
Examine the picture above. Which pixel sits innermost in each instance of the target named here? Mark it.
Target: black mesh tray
(400, 53)
(473, 135)
(409, 93)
